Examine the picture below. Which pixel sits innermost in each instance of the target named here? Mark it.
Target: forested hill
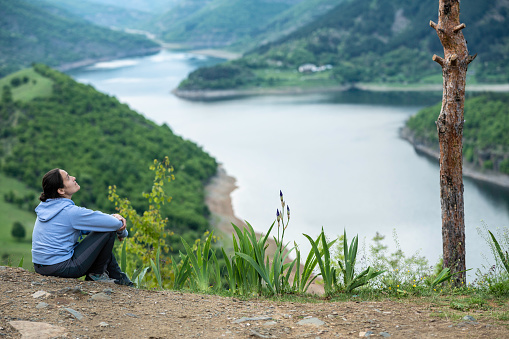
(239, 22)
(29, 33)
(485, 137)
(48, 120)
(382, 41)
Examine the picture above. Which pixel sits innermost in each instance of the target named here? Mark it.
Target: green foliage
(148, 230)
(504, 257)
(223, 22)
(112, 146)
(327, 271)
(485, 137)
(222, 76)
(156, 268)
(350, 280)
(202, 261)
(29, 33)
(18, 231)
(302, 281)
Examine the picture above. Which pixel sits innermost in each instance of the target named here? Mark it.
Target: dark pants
(92, 255)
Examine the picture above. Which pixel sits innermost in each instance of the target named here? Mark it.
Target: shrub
(18, 231)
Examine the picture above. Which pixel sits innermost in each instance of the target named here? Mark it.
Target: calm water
(337, 158)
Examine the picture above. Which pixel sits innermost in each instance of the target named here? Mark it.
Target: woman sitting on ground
(60, 223)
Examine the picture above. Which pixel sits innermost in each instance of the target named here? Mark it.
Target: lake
(337, 158)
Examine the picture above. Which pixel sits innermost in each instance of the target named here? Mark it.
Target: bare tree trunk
(450, 134)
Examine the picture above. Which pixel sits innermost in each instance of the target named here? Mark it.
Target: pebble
(76, 314)
(311, 321)
(366, 334)
(103, 324)
(101, 297)
(244, 319)
(42, 304)
(108, 291)
(385, 334)
(40, 294)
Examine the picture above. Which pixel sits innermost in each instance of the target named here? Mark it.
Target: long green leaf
(260, 270)
(503, 257)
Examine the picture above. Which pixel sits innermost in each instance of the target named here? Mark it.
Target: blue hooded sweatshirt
(58, 226)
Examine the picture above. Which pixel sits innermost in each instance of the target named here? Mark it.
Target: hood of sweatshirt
(48, 209)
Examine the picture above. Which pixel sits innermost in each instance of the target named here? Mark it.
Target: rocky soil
(34, 306)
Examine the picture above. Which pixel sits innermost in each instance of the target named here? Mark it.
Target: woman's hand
(121, 218)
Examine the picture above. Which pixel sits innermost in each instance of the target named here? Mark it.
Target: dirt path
(48, 307)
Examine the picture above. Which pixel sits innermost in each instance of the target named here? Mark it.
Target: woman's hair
(51, 182)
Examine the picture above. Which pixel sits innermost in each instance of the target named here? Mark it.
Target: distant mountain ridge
(29, 33)
(238, 24)
(372, 41)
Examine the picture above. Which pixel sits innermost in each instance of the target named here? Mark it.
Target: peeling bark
(450, 134)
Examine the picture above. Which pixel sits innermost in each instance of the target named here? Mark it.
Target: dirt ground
(33, 306)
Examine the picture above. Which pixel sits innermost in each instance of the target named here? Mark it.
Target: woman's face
(70, 185)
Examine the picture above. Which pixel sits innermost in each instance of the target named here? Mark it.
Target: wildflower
(415, 285)
(397, 285)
(390, 288)
(435, 289)
(288, 211)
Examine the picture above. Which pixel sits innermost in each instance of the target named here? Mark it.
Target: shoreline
(469, 171)
(88, 62)
(218, 200)
(210, 95)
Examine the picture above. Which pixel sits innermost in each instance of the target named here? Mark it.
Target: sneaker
(103, 277)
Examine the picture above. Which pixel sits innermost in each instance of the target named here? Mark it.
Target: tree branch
(471, 58)
(433, 25)
(458, 28)
(439, 60)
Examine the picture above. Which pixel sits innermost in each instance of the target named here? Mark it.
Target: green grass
(37, 86)
(11, 249)
(277, 78)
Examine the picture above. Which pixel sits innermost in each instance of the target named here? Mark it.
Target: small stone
(244, 319)
(469, 318)
(103, 324)
(40, 294)
(366, 334)
(76, 314)
(108, 291)
(385, 334)
(30, 329)
(270, 323)
(311, 321)
(131, 315)
(42, 304)
(101, 297)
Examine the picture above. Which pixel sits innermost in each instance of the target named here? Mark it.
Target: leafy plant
(504, 257)
(302, 281)
(156, 267)
(327, 271)
(200, 260)
(181, 272)
(350, 280)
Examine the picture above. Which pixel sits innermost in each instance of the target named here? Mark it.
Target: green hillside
(217, 22)
(485, 137)
(98, 13)
(100, 141)
(30, 33)
(375, 41)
